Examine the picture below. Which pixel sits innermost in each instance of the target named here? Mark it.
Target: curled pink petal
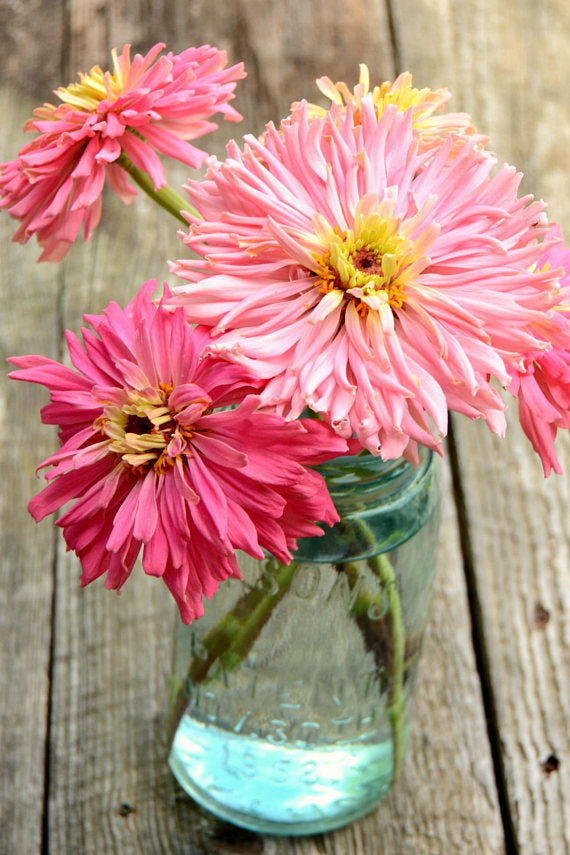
(541, 380)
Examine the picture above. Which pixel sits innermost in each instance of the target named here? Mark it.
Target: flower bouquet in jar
(261, 431)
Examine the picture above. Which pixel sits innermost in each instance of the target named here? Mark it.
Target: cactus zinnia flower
(378, 284)
(153, 456)
(430, 124)
(144, 106)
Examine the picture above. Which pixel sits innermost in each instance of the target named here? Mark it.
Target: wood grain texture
(518, 523)
(31, 59)
(29, 318)
(523, 591)
(109, 789)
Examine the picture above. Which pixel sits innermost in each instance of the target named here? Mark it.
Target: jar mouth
(388, 500)
(372, 476)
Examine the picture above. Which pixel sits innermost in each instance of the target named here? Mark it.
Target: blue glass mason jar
(291, 696)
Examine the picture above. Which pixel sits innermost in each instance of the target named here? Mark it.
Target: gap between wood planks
(394, 42)
(480, 647)
(45, 827)
(474, 604)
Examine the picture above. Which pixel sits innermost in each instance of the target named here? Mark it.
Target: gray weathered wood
(28, 321)
(108, 786)
(522, 585)
(518, 523)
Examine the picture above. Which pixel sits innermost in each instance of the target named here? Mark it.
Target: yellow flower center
(93, 87)
(401, 93)
(405, 96)
(372, 264)
(145, 431)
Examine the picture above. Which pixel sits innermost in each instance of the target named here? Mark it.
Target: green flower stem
(363, 605)
(381, 565)
(166, 197)
(231, 639)
(385, 572)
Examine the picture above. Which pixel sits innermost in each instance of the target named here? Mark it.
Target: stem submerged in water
(230, 640)
(385, 572)
(370, 612)
(228, 643)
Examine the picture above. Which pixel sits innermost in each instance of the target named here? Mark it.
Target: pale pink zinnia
(375, 283)
(430, 124)
(151, 463)
(144, 106)
(542, 382)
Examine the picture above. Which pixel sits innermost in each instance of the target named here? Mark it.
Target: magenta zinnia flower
(145, 105)
(541, 382)
(375, 283)
(151, 463)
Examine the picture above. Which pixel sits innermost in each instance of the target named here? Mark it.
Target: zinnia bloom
(425, 103)
(150, 462)
(377, 284)
(144, 106)
(542, 382)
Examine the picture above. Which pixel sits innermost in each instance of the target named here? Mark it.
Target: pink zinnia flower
(429, 123)
(542, 382)
(377, 284)
(151, 463)
(145, 105)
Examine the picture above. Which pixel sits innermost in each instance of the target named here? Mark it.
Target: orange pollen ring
(163, 461)
(328, 279)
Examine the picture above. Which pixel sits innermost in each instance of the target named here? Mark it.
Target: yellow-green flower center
(145, 431)
(401, 93)
(368, 265)
(93, 87)
(376, 263)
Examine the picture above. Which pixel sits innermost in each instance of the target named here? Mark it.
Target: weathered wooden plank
(28, 321)
(522, 584)
(518, 524)
(111, 655)
(31, 58)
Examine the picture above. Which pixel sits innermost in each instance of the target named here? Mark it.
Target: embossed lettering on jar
(292, 695)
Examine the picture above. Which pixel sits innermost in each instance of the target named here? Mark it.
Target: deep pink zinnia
(542, 381)
(145, 105)
(152, 463)
(375, 283)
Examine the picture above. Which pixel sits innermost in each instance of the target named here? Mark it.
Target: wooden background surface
(84, 673)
